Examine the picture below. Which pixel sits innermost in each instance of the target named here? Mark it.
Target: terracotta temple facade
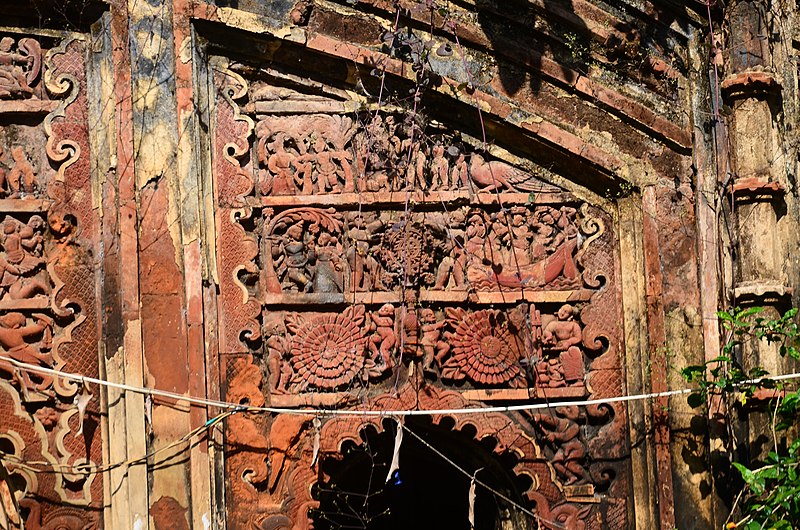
(337, 209)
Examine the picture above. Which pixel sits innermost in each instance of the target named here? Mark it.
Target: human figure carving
(440, 169)
(303, 169)
(20, 181)
(452, 263)
(415, 175)
(563, 336)
(563, 333)
(564, 434)
(327, 170)
(279, 370)
(31, 236)
(280, 164)
(409, 333)
(432, 346)
(296, 259)
(545, 232)
(364, 273)
(519, 239)
(328, 271)
(459, 174)
(14, 80)
(14, 336)
(344, 158)
(18, 240)
(385, 339)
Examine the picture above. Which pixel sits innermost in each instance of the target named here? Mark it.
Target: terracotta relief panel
(367, 259)
(47, 287)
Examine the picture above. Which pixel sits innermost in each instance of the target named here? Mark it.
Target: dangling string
(398, 440)
(471, 514)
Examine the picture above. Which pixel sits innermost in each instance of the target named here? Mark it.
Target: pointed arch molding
(356, 255)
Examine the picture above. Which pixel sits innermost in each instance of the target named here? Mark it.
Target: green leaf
(748, 312)
(753, 481)
(696, 399)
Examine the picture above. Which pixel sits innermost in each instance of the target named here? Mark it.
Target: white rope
(365, 413)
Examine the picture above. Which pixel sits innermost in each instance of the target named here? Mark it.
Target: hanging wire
(238, 407)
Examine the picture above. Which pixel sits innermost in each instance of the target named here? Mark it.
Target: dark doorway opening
(428, 492)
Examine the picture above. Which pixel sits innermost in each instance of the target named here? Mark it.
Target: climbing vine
(770, 492)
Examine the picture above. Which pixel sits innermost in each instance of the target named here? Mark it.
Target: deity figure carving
(307, 155)
(19, 69)
(296, 251)
(303, 253)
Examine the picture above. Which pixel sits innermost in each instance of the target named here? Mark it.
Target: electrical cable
(237, 407)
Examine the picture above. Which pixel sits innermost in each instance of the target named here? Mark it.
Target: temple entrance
(428, 492)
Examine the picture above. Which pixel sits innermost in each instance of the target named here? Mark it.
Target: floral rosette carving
(484, 350)
(328, 351)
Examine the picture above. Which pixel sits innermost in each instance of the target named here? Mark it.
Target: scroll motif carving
(47, 278)
(236, 248)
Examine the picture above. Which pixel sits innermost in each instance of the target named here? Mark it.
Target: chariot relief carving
(376, 256)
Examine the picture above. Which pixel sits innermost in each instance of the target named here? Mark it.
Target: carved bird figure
(494, 175)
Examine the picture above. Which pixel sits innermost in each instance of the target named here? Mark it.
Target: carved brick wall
(47, 285)
(367, 260)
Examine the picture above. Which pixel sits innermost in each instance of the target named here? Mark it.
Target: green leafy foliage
(771, 495)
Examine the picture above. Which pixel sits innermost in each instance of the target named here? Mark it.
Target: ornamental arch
(332, 206)
(377, 255)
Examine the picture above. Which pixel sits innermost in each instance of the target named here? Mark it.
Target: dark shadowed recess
(427, 492)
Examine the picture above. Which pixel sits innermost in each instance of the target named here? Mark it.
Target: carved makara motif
(20, 66)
